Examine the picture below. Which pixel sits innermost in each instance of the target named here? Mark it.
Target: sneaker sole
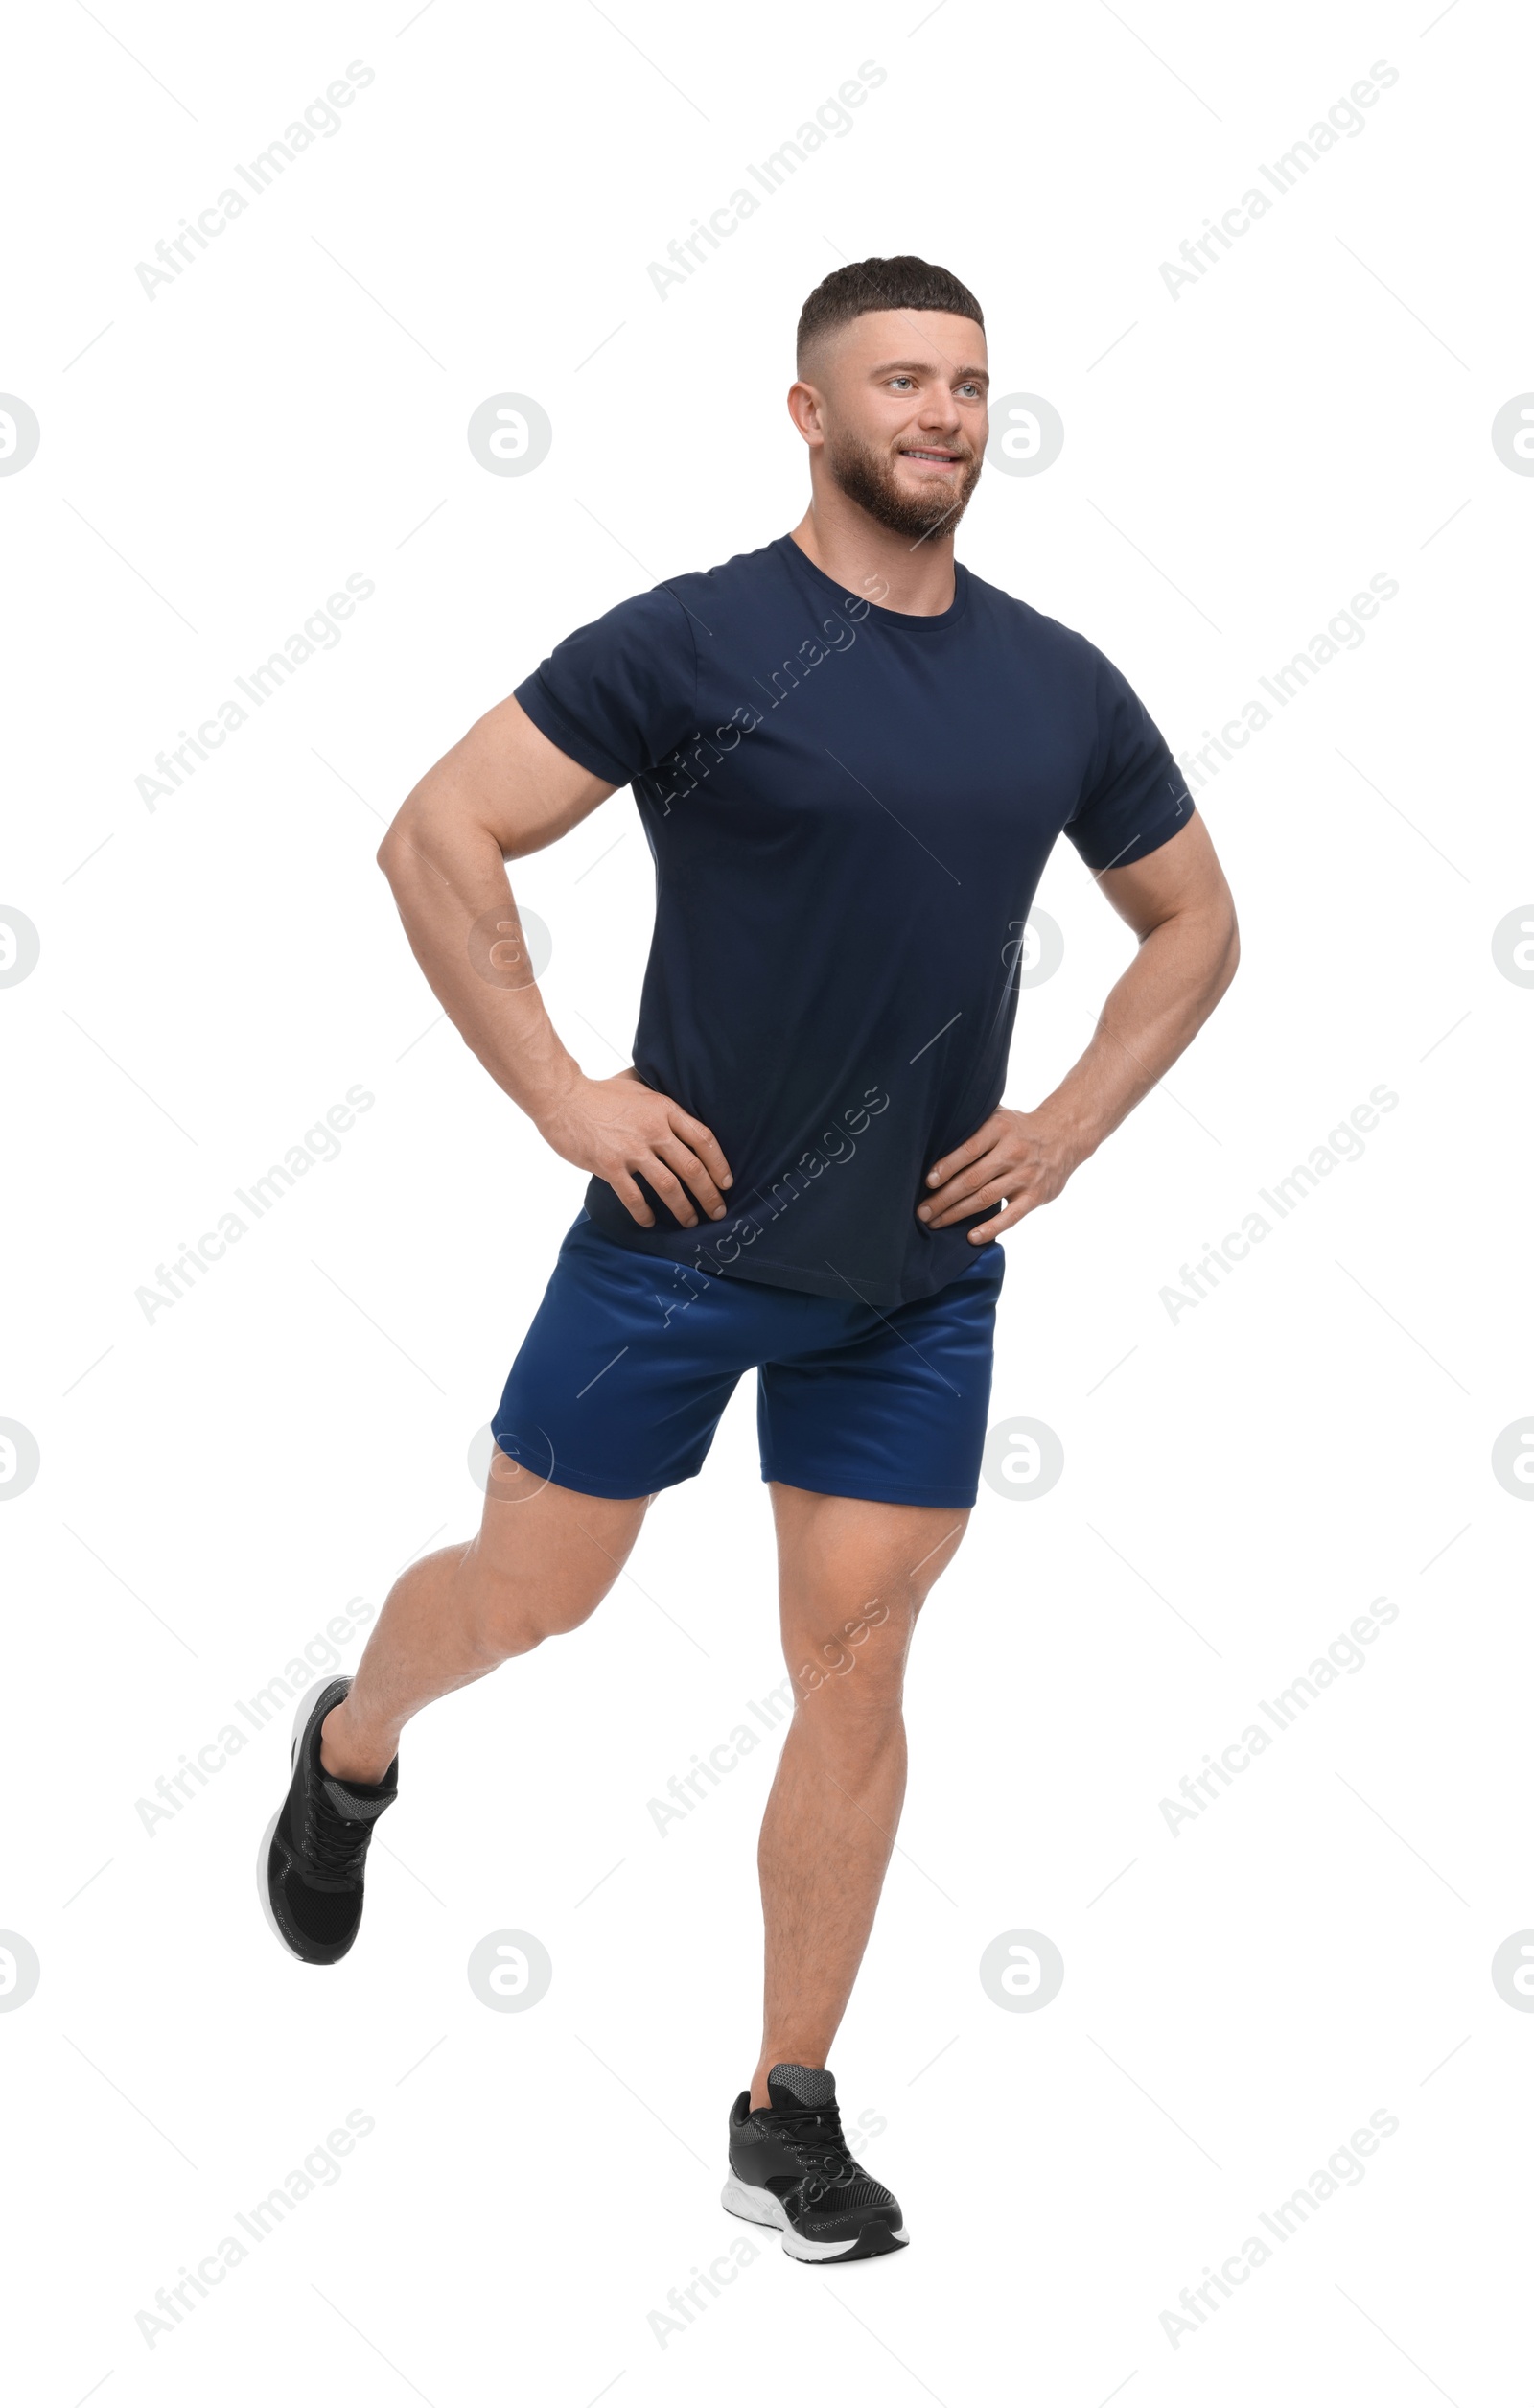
(306, 1707)
(764, 2207)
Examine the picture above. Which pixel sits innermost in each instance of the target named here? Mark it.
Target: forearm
(450, 883)
(1179, 972)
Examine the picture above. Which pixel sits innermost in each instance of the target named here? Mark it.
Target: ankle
(786, 2055)
(351, 1756)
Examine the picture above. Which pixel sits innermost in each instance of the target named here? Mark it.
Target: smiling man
(852, 759)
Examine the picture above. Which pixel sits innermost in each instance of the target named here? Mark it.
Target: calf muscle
(542, 1560)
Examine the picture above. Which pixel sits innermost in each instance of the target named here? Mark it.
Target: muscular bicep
(503, 777)
(1182, 876)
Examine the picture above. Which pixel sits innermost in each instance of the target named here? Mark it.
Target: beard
(867, 477)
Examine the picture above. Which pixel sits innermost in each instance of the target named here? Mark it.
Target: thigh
(545, 1553)
(893, 1411)
(853, 1575)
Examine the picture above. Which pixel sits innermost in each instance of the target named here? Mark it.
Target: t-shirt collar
(902, 622)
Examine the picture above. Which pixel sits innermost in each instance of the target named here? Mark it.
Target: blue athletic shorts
(630, 1361)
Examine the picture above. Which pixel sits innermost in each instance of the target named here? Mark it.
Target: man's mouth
(938, 457)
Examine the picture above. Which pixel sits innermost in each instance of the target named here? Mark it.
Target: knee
(508, 1617)
(853, 1664)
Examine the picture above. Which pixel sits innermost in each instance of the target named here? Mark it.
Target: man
(851, 760)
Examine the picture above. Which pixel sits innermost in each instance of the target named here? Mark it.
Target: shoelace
(815, 2132)
(332, 1846)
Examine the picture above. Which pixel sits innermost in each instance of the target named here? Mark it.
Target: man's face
(901, 406)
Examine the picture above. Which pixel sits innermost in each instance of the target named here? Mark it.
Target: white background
(1238, 1484)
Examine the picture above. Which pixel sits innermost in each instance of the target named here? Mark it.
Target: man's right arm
(502, 792)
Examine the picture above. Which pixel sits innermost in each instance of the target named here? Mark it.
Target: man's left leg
(852, 1577)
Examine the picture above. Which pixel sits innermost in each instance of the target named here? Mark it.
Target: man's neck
(916, 573)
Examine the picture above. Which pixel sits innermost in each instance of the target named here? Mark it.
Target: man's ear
(806, 409)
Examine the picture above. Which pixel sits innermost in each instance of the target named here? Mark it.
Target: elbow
(1230, 960)
(397, 848)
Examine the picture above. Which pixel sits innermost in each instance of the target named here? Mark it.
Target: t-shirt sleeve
(1133, 795)
(621, 695)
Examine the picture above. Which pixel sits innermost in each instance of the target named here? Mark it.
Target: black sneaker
(791, 2167)
(314, 1851)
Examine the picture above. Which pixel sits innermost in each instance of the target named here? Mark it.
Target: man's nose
(938, 414)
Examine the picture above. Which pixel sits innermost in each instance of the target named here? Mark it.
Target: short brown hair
(902, 283)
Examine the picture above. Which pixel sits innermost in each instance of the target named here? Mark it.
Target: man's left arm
(1178, 905)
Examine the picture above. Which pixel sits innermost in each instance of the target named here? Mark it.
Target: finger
(964, 1182)
(992, 1191)
(961, 1156)
(686, 1164)
(670, 1190)
(630, 1198)
(705, 1144)
(1013, 1213)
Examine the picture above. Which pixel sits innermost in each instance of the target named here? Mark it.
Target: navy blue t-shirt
(848, 809)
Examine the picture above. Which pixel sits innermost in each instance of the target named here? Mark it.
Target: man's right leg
(544, 1559)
